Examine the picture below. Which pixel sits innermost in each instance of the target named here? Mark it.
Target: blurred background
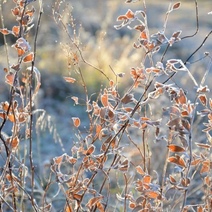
(91, 24)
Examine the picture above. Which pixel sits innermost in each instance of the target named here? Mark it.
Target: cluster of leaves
(101, 173)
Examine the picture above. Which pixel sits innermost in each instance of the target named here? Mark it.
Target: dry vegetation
(142, 144)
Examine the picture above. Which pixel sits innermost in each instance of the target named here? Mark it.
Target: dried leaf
(68, 208)
(3, 115)
(176, 6)
(69, 79)
(93, 201)
(203, 99)
(175, 148)
(11, 117)
(147, 179)
(58, 160)
(129, 14)
(14, 143)
(196, 162)
(181, 98)
(177, 160)
(205, 167)
(152, 194)
(5, 31)
(16, 30)
(100, 207)
(90, 150)
(122, 18)
(9, 78)
(29, 57)
(75, 99)
(104, 100)
(172, 180)
(76, 121)
(206, 146)
(127, 98)
(140, 170)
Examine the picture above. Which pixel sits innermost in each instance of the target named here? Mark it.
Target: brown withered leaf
(11, 117)
(28, 58)
(14, 143)
(175, 148)
(9, 78)
(172, 180)
(185, 182)
(177, 160)
(152, 194)
(196, 161)
(206, 146)
(147, 179)
(140, 170)
(5, 31)
(100, 207)
(3, 115)
(93, 201)
(90, 150)
(58, 160)
(203, 99)
(69, 79)
(130, 14)
(16, 30)
(181, 98)
(210, 103)
(104, 99)
(200, 209)
(176, 6)
(204, 89)
(205, 167)
(127, 98)
(76, 121)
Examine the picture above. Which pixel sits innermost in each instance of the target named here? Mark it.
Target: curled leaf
(76, 121)
(29, 58)
(69, 79)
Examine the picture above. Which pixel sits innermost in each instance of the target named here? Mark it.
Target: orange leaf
(98, 129)
(11, 117)
(14, 143)
(20, 52)
(5, 31)
(147, 179)
(176, 6)
(76, 121)
(3, 115)
(69, 79)
(15, 11)
(93, 201)
(16, 30)
(203, 99)
(140, 170)
(122, 17)
(172, 179)
(177, 160)
(152, 194)
(130, 14)
(181, 98)
(90, 150)
(9, 78)
(29, 57)
(58, 160)
(175, 148)
(143, 35)
(104, 100)
(206, 146)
